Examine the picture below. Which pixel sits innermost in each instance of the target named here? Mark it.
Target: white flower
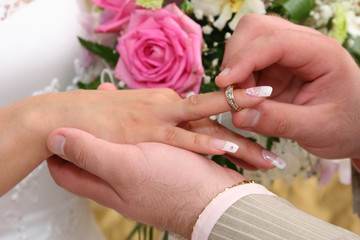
(353, 23)
(209, 7)
(224, 9)
(207, 30)
(249, 6)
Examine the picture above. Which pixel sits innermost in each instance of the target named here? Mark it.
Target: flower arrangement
(180, 44)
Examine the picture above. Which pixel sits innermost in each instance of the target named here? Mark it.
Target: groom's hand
(152, 183)
(316, 85)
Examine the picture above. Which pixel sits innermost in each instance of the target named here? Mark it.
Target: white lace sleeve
(8, 7)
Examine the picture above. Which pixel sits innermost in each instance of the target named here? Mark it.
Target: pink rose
(116, 15)
(161, 49)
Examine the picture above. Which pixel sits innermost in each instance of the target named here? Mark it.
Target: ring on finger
(229, 94)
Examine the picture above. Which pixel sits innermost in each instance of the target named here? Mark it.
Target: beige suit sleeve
(259, 216)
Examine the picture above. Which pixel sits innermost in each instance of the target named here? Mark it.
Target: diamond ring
(229, 94)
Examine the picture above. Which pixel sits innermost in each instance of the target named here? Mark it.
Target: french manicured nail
(57, 144)
(225, 72)
(273, 159)
(224, 145)
(263, 91)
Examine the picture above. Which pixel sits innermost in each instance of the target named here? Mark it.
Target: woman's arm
(127, 116)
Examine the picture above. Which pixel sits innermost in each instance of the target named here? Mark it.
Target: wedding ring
(229, 94)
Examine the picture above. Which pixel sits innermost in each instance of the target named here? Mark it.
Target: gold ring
(229, 94)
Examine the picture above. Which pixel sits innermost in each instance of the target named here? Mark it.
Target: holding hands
(315, 102)
(152, 183)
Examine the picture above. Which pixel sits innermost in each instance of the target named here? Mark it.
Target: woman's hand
(152, 183)
(316, 85)
(126, 116)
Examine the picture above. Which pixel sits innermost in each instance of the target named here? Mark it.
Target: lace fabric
(8, 7)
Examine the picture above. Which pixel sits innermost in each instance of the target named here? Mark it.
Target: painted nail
(224, 145)
(251, 118)
(56, 145)
(225, 72)
(263, 91)
(273, 159)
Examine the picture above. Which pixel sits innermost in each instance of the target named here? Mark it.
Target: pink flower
(116, 15)
(161, 49)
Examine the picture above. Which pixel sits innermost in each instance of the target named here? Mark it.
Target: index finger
(284, 48)
(251, 26)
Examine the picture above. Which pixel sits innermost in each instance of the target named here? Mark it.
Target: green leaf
(151, 4)
(297, 10)
(270, 141)
(91, 86)
(338, 23)
(187, 6)
(109, 54)
(134, 231)
(166, 235)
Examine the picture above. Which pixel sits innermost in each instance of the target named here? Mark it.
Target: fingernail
(263, 91)
(224, 145)
(225, 72)
(273, 159)
(251, 118)
(57, 144)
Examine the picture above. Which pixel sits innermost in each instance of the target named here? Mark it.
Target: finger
(81, 182)
(213, 139)
(204, 105)
(107, 86)
(297, 56)
(195, 142)
(251, 26)
(92, 154)
(283, 120)
(241, 164)
(248, 155)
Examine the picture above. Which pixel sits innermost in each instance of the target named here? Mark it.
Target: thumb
(87, 152)
(278, 119)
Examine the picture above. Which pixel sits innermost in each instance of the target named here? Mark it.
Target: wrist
(204, 196)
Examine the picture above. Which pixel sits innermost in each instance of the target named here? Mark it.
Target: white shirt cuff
(220, 204)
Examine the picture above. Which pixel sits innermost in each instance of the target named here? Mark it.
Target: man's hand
(152, 183)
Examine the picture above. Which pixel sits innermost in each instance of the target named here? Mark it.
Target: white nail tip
(230, 147)
(279, 163)
(262, 91)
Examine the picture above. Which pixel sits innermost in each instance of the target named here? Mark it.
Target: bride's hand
(152, 183)
(154, 115)
(126, 116)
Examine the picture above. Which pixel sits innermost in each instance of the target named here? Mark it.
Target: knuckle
(170, 94)
(215, 128)
(282, 127)
(194, 100)
(248, 18)
(197, 139)
(80, 157)
(170, 134)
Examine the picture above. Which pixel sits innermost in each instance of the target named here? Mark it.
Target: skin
(128, 116)
(152, 183)
(315, 80)
(316, 103)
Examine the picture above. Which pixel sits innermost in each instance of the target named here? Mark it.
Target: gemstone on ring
(229, 94)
